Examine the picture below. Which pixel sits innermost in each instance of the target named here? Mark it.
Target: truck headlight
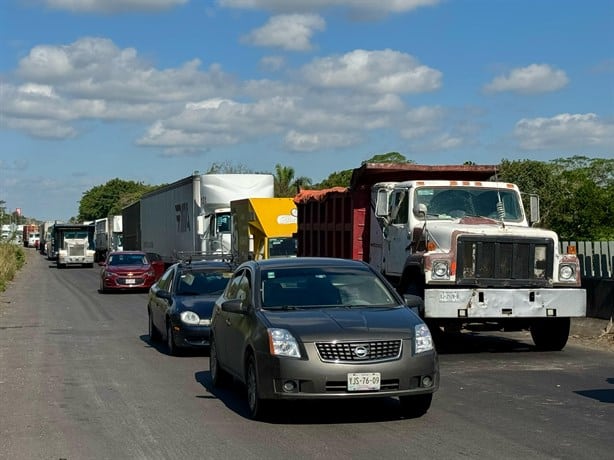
(189, 317)
(423, 340)
(282, 343)
(567, 272)
(441, 270)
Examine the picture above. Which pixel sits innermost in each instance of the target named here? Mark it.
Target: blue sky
(152, 90)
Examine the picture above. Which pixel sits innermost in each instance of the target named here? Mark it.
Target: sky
(153, 90)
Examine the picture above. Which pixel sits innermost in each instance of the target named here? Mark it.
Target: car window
(203, 282)
(165, 280)
(312, 287)
(240, 288)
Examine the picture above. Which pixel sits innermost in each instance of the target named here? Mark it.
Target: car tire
(416, 405)
(219, 377)
(154, 333)
(102, 290)
(173, 350)
(258, 408)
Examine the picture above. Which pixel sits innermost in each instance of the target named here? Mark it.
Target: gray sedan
(320, 328)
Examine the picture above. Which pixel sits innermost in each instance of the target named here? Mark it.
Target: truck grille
(349, 352)
(76, 250)
(502, 262)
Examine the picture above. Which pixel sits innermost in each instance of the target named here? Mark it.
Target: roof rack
(187, 257)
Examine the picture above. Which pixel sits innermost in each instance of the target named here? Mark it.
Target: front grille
(504, 262)
(351, 352)
(76, 250)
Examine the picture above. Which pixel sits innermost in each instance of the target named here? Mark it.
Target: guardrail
(597, 270)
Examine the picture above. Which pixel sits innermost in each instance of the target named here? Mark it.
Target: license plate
(448, 297)
(130, 281)
(364, 381)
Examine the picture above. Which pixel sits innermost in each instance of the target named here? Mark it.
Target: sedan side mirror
(233, 306)
(415, 303)
(163, 294)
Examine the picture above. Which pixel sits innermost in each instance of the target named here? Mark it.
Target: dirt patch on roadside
(597, 334)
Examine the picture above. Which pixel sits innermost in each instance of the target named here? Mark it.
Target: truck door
(396, 233)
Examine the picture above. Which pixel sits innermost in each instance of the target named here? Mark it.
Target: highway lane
(80, 380)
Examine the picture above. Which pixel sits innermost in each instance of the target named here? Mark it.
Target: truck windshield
(282, 247)
(456, 202)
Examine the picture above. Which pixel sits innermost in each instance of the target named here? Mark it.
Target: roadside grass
(12, 259)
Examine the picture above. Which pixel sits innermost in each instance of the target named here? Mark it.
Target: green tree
(286, 184)
(576, 194)
(344, 177)
(227, 167)
(110, 198)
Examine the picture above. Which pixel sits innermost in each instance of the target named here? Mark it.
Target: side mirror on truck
(381, 205)
(534, 209)
(420, 210)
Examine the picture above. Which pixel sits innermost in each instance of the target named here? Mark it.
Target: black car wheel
(173, 350)
(415, 406)
(154, 334)
(258, 407)
(219, 377)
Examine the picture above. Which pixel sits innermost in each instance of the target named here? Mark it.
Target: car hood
(309, 325)
(202, 305)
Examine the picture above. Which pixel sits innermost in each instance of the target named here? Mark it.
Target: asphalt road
(80, 380)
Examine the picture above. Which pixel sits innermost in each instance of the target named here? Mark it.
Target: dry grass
(12, 259)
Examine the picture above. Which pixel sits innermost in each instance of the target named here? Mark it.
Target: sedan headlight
(189, 317)
(423, 339)
(282, 343)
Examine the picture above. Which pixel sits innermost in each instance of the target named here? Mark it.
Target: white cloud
(380, 71)
(566, 132)
(535, 78)
(381, 6)
(272, 63)
(112, 6)
(289, 31)
(329, 103)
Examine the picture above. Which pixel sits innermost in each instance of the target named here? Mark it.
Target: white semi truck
(454, 238)
(192, 215)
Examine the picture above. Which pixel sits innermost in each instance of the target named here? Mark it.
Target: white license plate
(130, 281)
(364, 381)
(448, 297)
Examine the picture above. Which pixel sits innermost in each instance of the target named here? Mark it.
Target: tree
(344, 177)
(576, 194)
(286, 185)
(227, 167)
(110, 198)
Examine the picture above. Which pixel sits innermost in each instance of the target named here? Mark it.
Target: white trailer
(108, 235)
(192, 215)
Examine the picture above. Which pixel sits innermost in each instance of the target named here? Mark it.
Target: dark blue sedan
(180, 303)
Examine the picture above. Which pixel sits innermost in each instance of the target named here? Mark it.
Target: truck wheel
(550, 334)
(416, 405)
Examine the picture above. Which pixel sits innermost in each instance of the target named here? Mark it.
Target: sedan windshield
(127, 259)
(203, 283)
(323, 287)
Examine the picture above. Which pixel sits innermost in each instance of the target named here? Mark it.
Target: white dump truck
(456, 239)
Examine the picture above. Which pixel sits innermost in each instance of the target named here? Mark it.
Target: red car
(127, 270)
